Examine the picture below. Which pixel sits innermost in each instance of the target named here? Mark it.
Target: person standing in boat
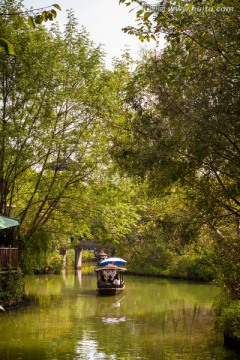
(116, 280)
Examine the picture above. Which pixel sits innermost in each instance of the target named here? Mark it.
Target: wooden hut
(8, 243)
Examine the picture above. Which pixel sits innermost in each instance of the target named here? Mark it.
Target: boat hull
(110, 290)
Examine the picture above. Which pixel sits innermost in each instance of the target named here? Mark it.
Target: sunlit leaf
(31, 21)
(57, 6)
(44, 15)
(8, 46)
(38, 19)
(147, 14)
(54, 13)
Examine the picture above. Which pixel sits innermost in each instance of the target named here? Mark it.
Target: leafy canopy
(12, 9)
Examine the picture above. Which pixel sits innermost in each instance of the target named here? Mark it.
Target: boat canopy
(110, 267)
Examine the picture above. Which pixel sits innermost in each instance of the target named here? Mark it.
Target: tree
(51, 104)
(207, 24)
(11, 9)
(183, 119)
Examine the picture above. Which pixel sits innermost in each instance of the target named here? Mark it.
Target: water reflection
(110, 310)
(88, 349)
(154, 319)
(113, 320)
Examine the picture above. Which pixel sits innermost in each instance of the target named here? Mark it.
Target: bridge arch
(98, 248)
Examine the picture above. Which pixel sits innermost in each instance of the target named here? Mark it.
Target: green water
(154, 319)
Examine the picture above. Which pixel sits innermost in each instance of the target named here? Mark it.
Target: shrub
(54, 262)
(88, 256)
(191, 267)
(11, 286)
(70, 258)
(228, 317)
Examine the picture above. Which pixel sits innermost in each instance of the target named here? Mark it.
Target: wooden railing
(8, 257)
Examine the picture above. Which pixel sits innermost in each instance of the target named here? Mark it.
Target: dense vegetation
(184, 122)
(145, 157)
(11, 287)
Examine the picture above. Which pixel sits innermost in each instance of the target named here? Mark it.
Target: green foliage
(208, 24)
(172, 124)
(181, 128)
(31, 17)
(159, 257)
(88, 256)
(54, 263)
(70, 258)
(34, 253)
(151, 259)
(41, 255)
(193, 267)
(228, 317)
(11, 286)
(225, 258)
(52, 133)
(5, 44)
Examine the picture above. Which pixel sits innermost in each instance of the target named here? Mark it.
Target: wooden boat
(105, 279)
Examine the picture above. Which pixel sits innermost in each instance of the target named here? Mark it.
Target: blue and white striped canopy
(114, 261)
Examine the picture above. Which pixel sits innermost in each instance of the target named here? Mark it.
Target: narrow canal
(154, 319)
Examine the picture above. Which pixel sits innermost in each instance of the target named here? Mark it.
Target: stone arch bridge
(87, 245)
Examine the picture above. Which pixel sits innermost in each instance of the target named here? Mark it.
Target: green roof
(6, 222)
